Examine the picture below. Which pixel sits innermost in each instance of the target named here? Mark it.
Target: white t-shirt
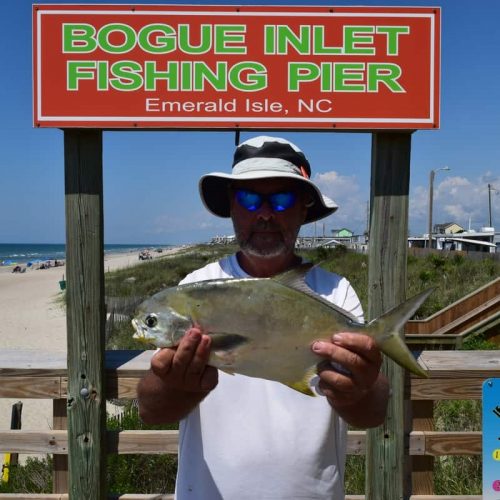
(254, 439)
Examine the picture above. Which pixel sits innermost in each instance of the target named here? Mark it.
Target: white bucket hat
(261, 158)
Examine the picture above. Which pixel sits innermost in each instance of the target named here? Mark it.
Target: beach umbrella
(34, 261)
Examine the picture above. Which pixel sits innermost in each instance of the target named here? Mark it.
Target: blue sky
(150, 178)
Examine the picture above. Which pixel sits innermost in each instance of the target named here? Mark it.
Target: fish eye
(151, 320)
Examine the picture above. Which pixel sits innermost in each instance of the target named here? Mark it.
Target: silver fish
(264, 327)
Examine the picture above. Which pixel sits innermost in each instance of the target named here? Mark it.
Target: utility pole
(490, 189)
(431, 196)
(367, 231)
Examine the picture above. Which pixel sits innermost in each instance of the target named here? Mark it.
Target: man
(249, 438)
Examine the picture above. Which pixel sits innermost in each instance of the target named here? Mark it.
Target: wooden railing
(479, 309)
(38, 374)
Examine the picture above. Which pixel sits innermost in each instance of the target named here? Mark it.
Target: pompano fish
(264, 327)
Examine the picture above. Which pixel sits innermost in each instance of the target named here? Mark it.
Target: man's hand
(185, 367)
(360, 394)
(178, 380)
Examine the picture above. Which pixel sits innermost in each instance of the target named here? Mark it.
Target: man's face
(265, 232)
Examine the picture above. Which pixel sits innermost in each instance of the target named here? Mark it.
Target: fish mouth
(140, 331)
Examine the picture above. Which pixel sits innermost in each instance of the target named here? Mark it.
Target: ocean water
(22, 253)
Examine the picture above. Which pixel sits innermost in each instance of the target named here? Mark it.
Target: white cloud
(351, 199)
(456, 199)
(419, 203)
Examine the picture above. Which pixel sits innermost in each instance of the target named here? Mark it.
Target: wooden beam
(446, 389)
(31, 387)
(387, 468)
(462, 378)
(38, 363)
(421, 443)
(85, 313)
(60, 467)
(422, 476)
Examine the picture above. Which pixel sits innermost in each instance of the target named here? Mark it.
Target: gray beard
(248, 247)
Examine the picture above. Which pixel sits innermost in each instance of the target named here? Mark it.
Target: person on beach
(247, 438)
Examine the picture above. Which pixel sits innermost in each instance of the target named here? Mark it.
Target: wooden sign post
(85, 314)
(387, 462)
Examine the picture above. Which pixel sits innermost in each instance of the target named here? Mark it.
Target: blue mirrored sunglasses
(253, 201)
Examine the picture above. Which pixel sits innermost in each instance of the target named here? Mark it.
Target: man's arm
(178, 381)
(359, 396)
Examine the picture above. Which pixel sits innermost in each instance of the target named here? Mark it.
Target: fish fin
(227, 341)
(303, 385)
(386, 332)
(295, 278)
(223, 347)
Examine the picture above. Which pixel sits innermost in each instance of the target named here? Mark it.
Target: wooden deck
(476, 312)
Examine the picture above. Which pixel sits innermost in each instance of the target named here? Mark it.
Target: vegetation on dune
(139, 473)
(151, 276)
(452, 278)
(35, 476)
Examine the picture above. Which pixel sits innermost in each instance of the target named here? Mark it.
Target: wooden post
(387, 473)
(423, 466)
(85, 314)
(16, 423)
(60, 467)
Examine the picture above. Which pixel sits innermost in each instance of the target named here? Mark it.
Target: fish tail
(386, 332)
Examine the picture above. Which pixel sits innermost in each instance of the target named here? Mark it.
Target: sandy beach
(32, 317)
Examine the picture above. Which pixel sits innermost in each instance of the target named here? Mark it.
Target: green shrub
(478, 342)
(34, 476)
(437, 260)
(425, 276)
(139, 473)
(354, 479)
(456, 475)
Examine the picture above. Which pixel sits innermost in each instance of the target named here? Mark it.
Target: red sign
(179, 66)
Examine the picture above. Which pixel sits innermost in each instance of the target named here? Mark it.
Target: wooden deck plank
(52, 387)
(126, 387)
(461, 364)
(123, 442)
(446, 388)
(32, 362)
(43, 374)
